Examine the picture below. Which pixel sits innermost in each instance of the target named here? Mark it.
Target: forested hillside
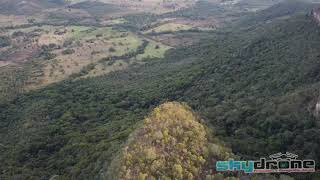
(170, 144)
(282, 10)
(257, 88)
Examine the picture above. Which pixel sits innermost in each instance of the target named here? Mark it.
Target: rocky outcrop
(317, 109)
(316, 15)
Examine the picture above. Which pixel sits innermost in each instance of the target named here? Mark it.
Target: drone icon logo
(281, 156)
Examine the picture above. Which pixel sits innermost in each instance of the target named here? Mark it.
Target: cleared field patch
(51, 36)
(125, 44)
(206, 24)
(103, 68)
(118, 21)
(114, 21)
(82, 32)
(60, 52)
(85, 46)
(153, 50)
(169, 27)
(60, 34)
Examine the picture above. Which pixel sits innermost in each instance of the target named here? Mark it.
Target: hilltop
(171, 144)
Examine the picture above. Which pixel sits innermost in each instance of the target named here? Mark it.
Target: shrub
(112, 49)
(68, 51)
(67, 43)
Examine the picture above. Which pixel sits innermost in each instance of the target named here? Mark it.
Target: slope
(258, 88)
(284, 9)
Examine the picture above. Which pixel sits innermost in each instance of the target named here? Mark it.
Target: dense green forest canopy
(256, 87)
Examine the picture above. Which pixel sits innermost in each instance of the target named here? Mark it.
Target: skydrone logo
(278, 163)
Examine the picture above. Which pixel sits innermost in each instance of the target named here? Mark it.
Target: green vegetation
(169, 28)
(111, 60)
(257, 98)
(117, 21)
(130, 44)
(255, 87)
(11, 84)
(81, 32)
(153, 50)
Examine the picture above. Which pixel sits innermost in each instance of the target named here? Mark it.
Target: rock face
(317, 110)
(316, 15)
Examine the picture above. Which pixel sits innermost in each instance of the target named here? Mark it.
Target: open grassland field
(103, 68)
(152, 50)
(57, 52)
(205, 24)
(169, 27)
(82, 46)
(114, 21)
(172, 25)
